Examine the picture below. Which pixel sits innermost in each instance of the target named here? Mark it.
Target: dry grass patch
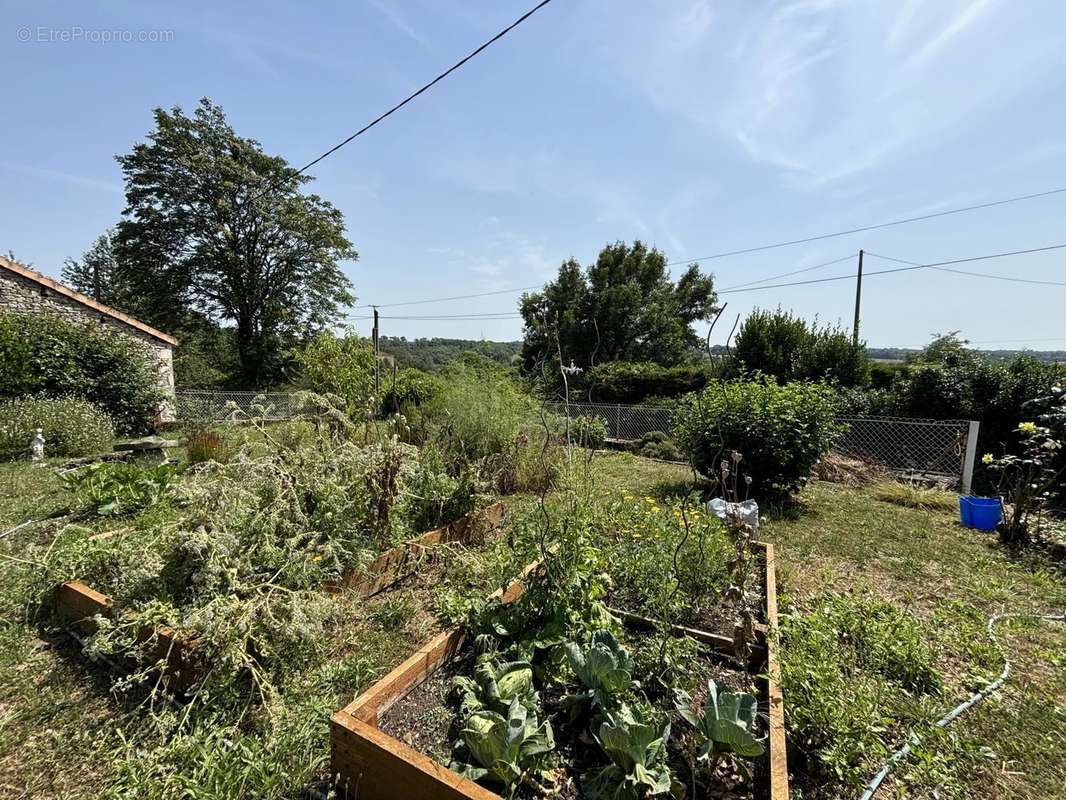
(914, 496)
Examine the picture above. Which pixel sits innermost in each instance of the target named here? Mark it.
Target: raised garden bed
(373, 765)
(78, 604)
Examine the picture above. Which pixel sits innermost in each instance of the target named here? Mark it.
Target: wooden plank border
(371, 765)
(776, 711)
(78, 604)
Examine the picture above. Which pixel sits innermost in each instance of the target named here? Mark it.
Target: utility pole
(858, 303)
(377, 375)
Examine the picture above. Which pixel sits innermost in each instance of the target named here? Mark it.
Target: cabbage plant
(637, 750)
(725, 722)
(605, 668)
(507, 750)
(494, 686)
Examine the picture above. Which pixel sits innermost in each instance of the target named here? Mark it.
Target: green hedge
(632, 382)
(780, 430)
(70, 427)
(44, 356)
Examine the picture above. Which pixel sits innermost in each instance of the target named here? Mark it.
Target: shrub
(785, 346)
(70, 427)
(478, 412)
(781, 431)
(413, 387)
(634, 382)
(532, 463)
(208, 445)
(46, 356)
(341, 367)
(588, 431)
(656, 444)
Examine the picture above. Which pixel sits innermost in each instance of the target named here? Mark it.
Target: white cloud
(396, 17)
(826, 91)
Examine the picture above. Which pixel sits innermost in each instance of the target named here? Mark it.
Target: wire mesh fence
(624, 423)
(207, 405)
(930, 447)
(935, 447)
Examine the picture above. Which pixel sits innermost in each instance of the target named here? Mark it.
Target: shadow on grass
(1038, 555)
(788, 509)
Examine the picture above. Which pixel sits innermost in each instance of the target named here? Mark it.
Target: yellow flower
(1027, 427)
(655, 509)
(987, 458)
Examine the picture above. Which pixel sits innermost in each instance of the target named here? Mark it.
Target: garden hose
(962, 707)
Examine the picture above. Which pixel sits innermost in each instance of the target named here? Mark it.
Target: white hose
(962, 707)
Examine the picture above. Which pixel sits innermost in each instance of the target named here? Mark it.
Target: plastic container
(983, 513)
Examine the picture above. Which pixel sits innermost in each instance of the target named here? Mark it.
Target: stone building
(25, 291)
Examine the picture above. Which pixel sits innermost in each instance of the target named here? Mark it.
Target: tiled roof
(78, 297)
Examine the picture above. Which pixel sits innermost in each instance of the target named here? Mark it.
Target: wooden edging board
(78, 604)
(371, 765)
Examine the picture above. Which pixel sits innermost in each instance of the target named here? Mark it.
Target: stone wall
(22, 295)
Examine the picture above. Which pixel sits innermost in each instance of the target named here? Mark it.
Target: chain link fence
(925, 447)
(208, 405)
(922, 447)
(624, 423)
(933, 447)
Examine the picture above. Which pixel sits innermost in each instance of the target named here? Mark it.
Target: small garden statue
(37, 446)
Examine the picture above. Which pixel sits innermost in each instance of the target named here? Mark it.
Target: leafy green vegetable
(493, 687)
(637, 749)
(116, 488)
(503, 750)
(605, 668)
(724, 720)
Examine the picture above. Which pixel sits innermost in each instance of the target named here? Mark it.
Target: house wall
(21, 295)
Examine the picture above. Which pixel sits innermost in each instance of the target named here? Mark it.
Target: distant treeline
(902, 353)
(433, 354)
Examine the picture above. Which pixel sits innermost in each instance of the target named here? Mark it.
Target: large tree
(625, 307)
(99, 276)
(215, 226)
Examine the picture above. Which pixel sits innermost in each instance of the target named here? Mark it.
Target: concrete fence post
(970, 457)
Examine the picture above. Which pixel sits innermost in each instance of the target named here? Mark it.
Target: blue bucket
(983, 513)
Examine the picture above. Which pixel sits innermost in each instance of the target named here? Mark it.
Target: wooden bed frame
(371, 765)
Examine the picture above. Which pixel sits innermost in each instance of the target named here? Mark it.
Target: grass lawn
(64, 734)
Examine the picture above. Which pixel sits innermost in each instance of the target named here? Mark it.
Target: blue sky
(698, 126)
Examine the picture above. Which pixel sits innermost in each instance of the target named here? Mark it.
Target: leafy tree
(622, 308)
(98, 274)
(344, 367)
(785, 346)
(214, 225)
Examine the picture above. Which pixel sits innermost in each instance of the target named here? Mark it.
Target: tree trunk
(249, 352)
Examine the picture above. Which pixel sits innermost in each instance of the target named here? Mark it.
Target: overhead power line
(413, 95)
(943, 266)
(759, 248)
(878, 226)
(1010, 278)
(540, 286)
(793, 272)
(933, 265)
(454, 297)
